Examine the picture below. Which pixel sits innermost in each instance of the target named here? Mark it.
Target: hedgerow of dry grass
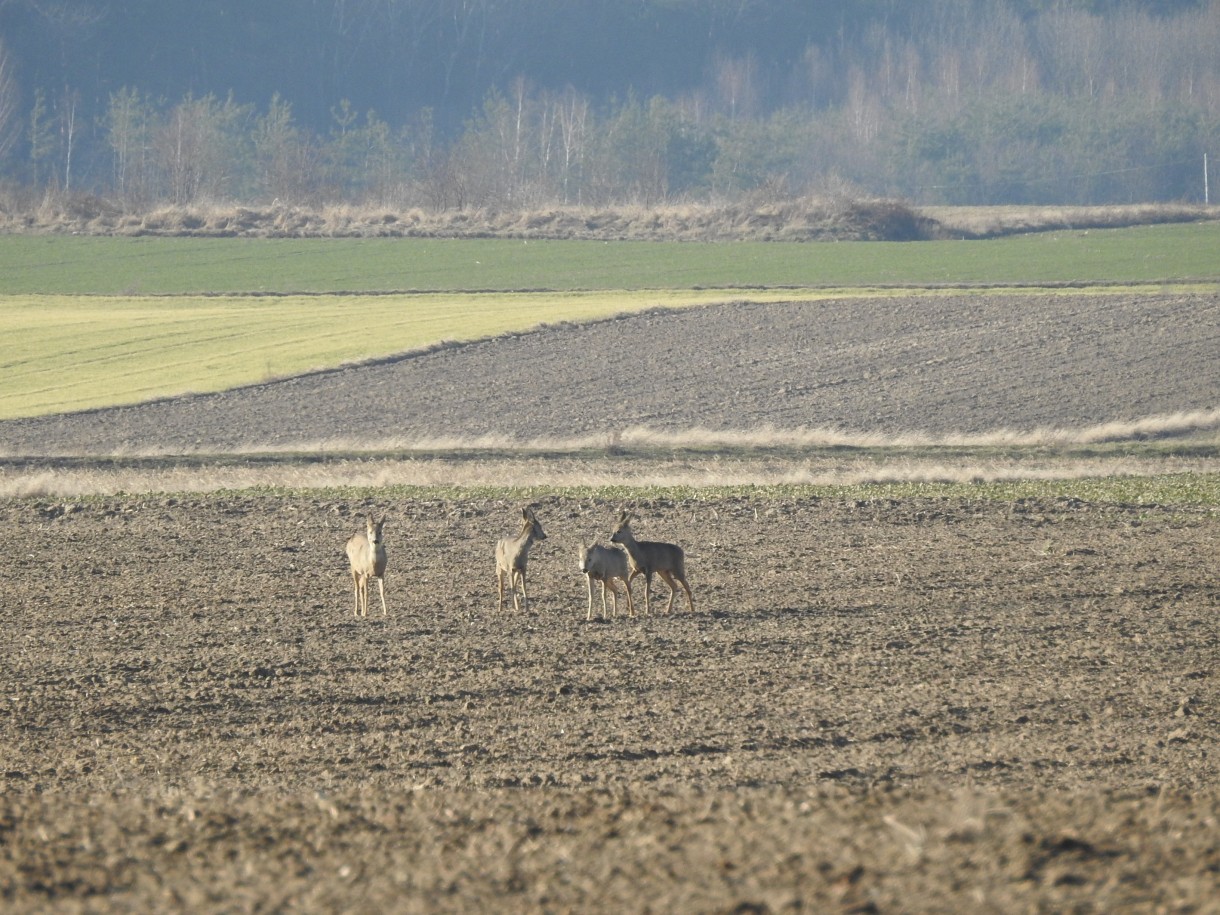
(65, 481)
(639, 438)
(994, 221)
(833, 217)
(791, 220)
(642, 457)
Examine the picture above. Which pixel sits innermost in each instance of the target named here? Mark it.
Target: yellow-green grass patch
(68, 353)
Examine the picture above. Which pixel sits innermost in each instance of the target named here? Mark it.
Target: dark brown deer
(648, 557)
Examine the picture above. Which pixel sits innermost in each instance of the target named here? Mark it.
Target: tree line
(959, 101)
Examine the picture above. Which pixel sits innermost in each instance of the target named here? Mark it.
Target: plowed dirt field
(924, 704)
(933, 364)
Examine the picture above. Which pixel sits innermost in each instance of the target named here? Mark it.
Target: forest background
(520, 104)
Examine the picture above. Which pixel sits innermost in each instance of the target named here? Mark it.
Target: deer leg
(630, 602)
(525, 598)
(500, 586)
(630, 579)
(355, 594)
(381, 589)
(589, 585)
(673, 589)
(690, 598)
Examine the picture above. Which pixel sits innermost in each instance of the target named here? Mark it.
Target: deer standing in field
(512, 554)
(647, 557)
(605, 564)
(366, 553)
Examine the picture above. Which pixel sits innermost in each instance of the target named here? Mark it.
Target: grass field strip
(79, 265)
(1185, 481)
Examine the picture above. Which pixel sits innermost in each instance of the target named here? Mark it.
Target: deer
(605, 564)
(647, 557)
(512, 554)
(366, 554)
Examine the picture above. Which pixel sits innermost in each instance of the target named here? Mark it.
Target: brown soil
(955, 364)
(927, 704)
(917, 706)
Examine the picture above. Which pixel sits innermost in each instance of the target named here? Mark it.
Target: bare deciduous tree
(10, 107)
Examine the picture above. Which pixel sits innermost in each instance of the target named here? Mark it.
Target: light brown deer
(647, 557)
(512, 555)
(605, 564)
(366, 554)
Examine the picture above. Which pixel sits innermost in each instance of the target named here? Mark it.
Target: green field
(71, 265)
(95, 321)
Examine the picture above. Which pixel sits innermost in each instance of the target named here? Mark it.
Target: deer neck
(632, 546)
(524, 541)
